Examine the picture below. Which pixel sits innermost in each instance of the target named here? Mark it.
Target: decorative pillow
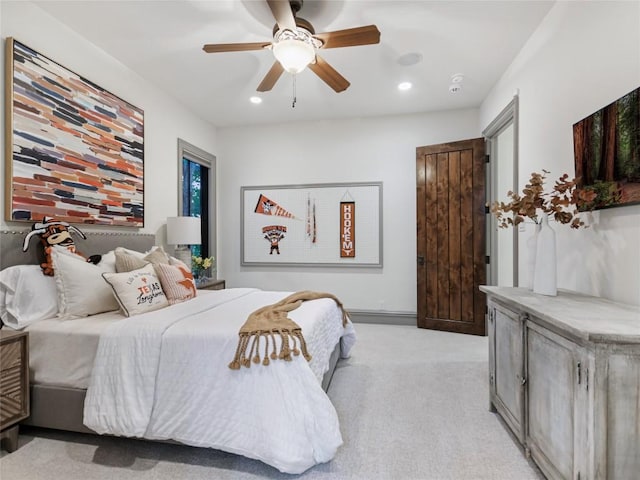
(157, 255)
(137, 291)
(126, 262)
(178, 263)
(177, 282)
(81, 290)
(26, 296)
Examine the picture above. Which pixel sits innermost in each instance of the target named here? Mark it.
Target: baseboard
(383, 317)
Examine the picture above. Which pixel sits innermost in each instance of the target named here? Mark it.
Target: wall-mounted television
(606, 148)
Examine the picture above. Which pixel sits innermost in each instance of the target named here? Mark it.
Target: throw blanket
(272, 320)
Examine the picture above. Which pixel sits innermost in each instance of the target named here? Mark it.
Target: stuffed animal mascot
(54, 232)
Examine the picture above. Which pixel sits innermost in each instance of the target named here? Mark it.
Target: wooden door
(450, 194)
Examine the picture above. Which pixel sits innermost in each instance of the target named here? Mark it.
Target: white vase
(532, 245)
(545, 275)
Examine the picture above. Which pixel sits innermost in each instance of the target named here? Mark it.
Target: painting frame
(308, 217)
(74, 151)
(607, 153)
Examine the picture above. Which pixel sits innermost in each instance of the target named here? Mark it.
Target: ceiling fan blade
(282, 13)
(234, 47)
(350, 37)
(329, 74)
(271, 78)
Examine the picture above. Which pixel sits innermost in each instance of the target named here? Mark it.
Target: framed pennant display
(73, 151)
(314, 225)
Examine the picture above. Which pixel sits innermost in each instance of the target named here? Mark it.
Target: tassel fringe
(292, 343)
(272, 320)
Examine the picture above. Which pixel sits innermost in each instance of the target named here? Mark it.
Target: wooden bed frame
(62, 408)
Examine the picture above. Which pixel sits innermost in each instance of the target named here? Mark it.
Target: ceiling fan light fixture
(294, 55)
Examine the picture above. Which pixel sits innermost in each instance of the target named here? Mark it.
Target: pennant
(269, 207)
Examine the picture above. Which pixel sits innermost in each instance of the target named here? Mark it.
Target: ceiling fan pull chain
(293, 104)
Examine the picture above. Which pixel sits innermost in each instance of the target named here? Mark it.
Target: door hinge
(586, 378)
(579, 373)
(487, 259)
(487, 158)
(487, 209)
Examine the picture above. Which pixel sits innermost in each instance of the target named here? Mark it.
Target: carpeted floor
(413, 405)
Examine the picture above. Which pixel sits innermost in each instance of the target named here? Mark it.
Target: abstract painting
(74, 151)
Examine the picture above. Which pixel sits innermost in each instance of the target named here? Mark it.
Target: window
(196, 192)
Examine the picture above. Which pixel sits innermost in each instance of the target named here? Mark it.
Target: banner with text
(347, 229)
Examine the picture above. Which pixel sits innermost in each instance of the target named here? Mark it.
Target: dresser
(564, 374)
(14, 385)
(212, 284)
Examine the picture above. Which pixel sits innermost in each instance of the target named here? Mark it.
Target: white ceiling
(162, 41)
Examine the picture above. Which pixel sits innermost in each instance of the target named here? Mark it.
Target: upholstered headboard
(96, 243)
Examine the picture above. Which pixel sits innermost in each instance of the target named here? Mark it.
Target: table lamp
(183, 232)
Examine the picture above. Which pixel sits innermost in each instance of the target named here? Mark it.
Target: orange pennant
(269, 207)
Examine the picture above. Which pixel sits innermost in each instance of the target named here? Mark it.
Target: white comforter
(164, 375)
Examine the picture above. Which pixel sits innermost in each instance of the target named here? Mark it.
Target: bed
(121, 376)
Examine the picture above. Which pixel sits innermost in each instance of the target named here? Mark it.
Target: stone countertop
(590, 318)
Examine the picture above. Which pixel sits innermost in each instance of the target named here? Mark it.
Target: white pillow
(135, 253)
(137, 291)
(81, 290)
(138, 254)
(108, 261)
(26, 296)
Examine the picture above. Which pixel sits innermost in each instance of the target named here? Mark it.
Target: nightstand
(211, 284)
(14, 385)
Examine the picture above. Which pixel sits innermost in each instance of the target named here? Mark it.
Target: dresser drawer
(10, 355)
(11, 380)
(12, 401)
(14, 378)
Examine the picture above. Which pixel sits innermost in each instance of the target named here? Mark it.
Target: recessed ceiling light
(404, 86)
(255, 100)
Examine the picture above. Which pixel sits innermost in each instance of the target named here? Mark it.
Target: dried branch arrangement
(562, 204)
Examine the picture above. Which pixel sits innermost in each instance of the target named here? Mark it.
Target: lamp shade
(294, 55)
(183, 231)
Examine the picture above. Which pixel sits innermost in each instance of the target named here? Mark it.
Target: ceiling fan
(295, 45)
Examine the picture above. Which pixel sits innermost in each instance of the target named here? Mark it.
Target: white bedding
(61, 352)
(164, 375)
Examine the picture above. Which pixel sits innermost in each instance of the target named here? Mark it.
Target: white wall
(356, 150)
(165, 119)
(583, 56)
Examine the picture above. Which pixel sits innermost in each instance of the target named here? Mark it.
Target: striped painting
(74, 150)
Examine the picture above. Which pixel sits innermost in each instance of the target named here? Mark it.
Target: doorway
(450, 201)
(502, 176)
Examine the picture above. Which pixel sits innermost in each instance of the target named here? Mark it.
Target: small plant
(563, 203)
(200, 265)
